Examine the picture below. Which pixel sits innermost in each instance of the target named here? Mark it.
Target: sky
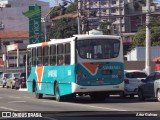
(52, 1)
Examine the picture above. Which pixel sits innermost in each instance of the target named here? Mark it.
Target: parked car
(21, 82)
(150, 87)
(132, 79)
(11, 81)
(3, 78)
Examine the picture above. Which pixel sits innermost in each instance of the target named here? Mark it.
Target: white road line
(48, 118)
(14, 97)
(16, 101)
(8, 109)
(104, 108)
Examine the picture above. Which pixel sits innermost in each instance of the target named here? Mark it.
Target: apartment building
(114, 11)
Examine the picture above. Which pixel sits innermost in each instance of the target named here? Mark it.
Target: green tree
(72, 7)
(140, 36)
(63, 28)
(104, 27)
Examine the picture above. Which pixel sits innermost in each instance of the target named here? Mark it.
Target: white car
(3, 79)
(132, 79)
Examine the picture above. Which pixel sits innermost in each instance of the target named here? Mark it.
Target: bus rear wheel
(38, 95)
(98, 97)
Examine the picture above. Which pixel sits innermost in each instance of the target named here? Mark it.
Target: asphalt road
(25, 103)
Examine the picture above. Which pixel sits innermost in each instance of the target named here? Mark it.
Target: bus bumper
(108, 88)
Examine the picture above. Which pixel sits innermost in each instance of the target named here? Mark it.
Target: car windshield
(136, 75)
(7, 75)
(23, 75)
(98, 48)
(16, 75)
(1, 75)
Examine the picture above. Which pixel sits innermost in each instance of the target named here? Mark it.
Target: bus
(87, 64)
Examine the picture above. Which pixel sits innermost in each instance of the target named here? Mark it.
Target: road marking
(8, 109)
(113, 109)
(49, 118)
(16, 101)
(14, 97)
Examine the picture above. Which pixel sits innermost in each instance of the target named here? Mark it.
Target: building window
(6, 43)
(18, 41)
(114, 2)
(113, 10)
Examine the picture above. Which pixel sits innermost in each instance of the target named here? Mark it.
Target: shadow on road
(111, 99)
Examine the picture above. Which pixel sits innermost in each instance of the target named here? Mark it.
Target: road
(14, 100)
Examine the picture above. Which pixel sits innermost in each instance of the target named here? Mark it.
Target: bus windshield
(98, 48)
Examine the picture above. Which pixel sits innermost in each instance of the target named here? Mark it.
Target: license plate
(106, 72)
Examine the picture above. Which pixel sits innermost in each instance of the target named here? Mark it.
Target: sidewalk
(23, 89)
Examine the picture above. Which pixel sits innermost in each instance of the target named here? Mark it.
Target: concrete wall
(137, 65)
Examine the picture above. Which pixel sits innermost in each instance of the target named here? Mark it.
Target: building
(95, 11)
(12, 38)
(138, 54)
(122, 15)
(14, 27)
(12, 17)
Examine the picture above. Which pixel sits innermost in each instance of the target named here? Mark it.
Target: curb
(23, 89)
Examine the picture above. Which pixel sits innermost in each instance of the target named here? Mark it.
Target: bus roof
(79, 37)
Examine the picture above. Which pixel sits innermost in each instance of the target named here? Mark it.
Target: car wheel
(158, 95)
(131, 96)
(12, 86)
(140, 95)
(122, 95)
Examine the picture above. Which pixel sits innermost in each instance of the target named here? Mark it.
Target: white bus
(81, 65)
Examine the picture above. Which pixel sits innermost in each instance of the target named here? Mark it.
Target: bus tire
(98, 97)
(59, 98)
(38, 95)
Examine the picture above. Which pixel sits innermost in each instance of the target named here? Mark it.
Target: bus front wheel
(38, 95)
(57, 94)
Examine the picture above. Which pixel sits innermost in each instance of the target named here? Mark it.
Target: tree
(63, 28)
(140, 36)
(104, 27)
(72, 7)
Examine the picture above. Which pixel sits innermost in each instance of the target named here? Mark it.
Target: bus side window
(60, 53)
(34, 55)
(45, 55)
(67, 54)
(39, 56)
(53, 55)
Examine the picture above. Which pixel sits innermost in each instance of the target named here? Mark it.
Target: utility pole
(148, 38)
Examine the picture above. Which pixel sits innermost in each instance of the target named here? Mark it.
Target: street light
(64, 3)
